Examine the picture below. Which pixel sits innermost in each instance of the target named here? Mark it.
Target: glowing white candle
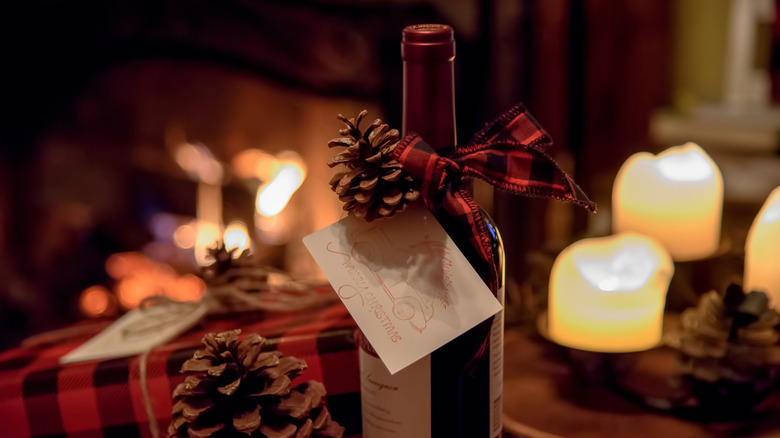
(675, 197)
(608, 294)
(762, 250)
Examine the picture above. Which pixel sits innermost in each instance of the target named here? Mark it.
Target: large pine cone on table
(234, 389)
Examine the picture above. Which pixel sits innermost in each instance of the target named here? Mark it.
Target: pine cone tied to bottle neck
(234, 389)
(373, 185)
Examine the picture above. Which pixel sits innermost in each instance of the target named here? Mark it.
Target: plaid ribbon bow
(508, 154)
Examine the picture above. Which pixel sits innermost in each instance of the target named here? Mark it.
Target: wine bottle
(457, 390)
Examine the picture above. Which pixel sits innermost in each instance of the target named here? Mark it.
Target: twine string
(154, 426)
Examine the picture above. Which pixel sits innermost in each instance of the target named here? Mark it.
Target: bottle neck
(428, 53)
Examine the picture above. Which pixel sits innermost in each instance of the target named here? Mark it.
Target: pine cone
(373, 185)
(728, 350)
(233, 389)
(721, 340)
(243, 272)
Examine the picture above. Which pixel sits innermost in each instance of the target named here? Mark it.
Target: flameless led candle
(608, 294)
(675, 197)
(762, 250)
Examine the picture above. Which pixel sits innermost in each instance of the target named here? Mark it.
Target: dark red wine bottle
(457, 390)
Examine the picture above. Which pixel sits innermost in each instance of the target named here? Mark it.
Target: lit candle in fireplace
(207, 171)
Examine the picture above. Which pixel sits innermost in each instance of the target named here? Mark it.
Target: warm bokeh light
(208, 235)
(236, 236)
(291, 157)
(122, 264)
(184, 236)
(209, 221)
(273, 197)
(138, 277)
(97, 301)
(273, 230)
(188, 287)
(133, 289)
(253, 163)
(198, 161)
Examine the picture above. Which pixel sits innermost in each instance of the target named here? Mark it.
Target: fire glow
(274, 196)
(138, 277)
(236, 237)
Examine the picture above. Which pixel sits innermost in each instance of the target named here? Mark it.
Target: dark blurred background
(99, 97)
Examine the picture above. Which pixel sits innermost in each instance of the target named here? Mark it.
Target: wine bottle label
(395, 405)
(497, 373)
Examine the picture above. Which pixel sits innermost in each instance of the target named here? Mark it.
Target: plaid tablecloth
(39, 398)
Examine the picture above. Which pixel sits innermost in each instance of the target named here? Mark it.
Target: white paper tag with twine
(404, 281)
(139, 330)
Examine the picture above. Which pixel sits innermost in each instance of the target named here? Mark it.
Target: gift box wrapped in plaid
(131, 396)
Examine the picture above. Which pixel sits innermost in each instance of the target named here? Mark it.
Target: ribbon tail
(517, 124)
(518, 168)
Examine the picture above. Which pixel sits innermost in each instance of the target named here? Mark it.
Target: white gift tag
(404, 281)
(137, 331)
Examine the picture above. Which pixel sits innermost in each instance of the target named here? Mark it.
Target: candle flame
(274, 196)
(207, 236)
(236, 236)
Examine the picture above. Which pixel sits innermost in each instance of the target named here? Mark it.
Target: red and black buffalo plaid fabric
(508, 153)
(40, 398)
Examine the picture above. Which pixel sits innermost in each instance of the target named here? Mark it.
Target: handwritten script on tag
(137, 331)
(404, 281)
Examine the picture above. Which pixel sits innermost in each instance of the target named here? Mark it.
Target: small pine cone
(234, 389)
(243, 274)
(224, 262)
(373, 185)
(727, 338)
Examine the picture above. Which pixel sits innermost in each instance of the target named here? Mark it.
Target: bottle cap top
(428, 42)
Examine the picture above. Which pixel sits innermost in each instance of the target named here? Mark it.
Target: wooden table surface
(545, 398)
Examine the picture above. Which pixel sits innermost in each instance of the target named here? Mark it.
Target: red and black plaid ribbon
(508, 153)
